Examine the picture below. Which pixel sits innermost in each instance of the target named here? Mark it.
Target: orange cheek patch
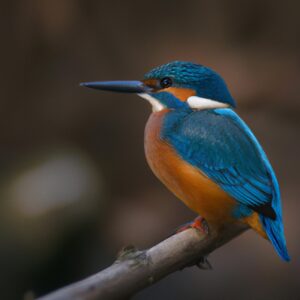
(180, 93)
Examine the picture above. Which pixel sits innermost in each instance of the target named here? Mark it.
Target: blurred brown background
(74, 184)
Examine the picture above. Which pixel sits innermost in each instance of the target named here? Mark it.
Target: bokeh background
(74, 183)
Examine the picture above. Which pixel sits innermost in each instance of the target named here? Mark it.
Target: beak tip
(85, 84)
(117, 86)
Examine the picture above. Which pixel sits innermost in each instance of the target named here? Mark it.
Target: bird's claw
(199, 223)
(204, 263)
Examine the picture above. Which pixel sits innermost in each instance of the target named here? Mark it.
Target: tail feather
(274, 231)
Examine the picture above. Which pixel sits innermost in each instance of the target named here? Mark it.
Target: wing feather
(220, 144)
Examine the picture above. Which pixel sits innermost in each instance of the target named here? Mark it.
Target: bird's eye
(166, 82)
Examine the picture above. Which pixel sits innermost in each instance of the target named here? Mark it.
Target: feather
(221, 145)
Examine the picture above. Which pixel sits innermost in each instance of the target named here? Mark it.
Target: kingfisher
(203, 152)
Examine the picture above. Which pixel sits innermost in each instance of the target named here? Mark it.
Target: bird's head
(176, 85)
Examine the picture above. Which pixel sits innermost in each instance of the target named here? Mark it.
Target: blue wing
(220, 144)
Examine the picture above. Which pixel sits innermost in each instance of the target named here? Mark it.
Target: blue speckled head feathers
(206, 82)
(182, 72)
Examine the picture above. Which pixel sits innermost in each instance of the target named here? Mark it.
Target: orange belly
(188, 183)
(191, 186)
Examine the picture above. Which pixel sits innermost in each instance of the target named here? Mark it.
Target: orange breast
(191, 186)
(188, 183)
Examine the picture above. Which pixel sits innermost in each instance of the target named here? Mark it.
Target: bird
(203, 152)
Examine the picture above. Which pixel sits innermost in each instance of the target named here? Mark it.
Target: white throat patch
(156, 105)
(204, 103)
(194, 102)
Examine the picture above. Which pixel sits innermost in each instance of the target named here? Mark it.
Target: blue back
(221, 145)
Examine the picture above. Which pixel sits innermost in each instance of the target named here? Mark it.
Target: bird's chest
(188, 183)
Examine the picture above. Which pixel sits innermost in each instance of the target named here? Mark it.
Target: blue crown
(206, 82)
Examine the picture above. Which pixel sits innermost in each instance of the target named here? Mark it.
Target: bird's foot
(199, 223)
(204, 264)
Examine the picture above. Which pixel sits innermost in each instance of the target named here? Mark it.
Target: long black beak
(119, 86)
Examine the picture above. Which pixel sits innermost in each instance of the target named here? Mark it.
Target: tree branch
(135, 270)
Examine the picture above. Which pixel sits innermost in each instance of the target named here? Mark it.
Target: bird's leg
(199, 223)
